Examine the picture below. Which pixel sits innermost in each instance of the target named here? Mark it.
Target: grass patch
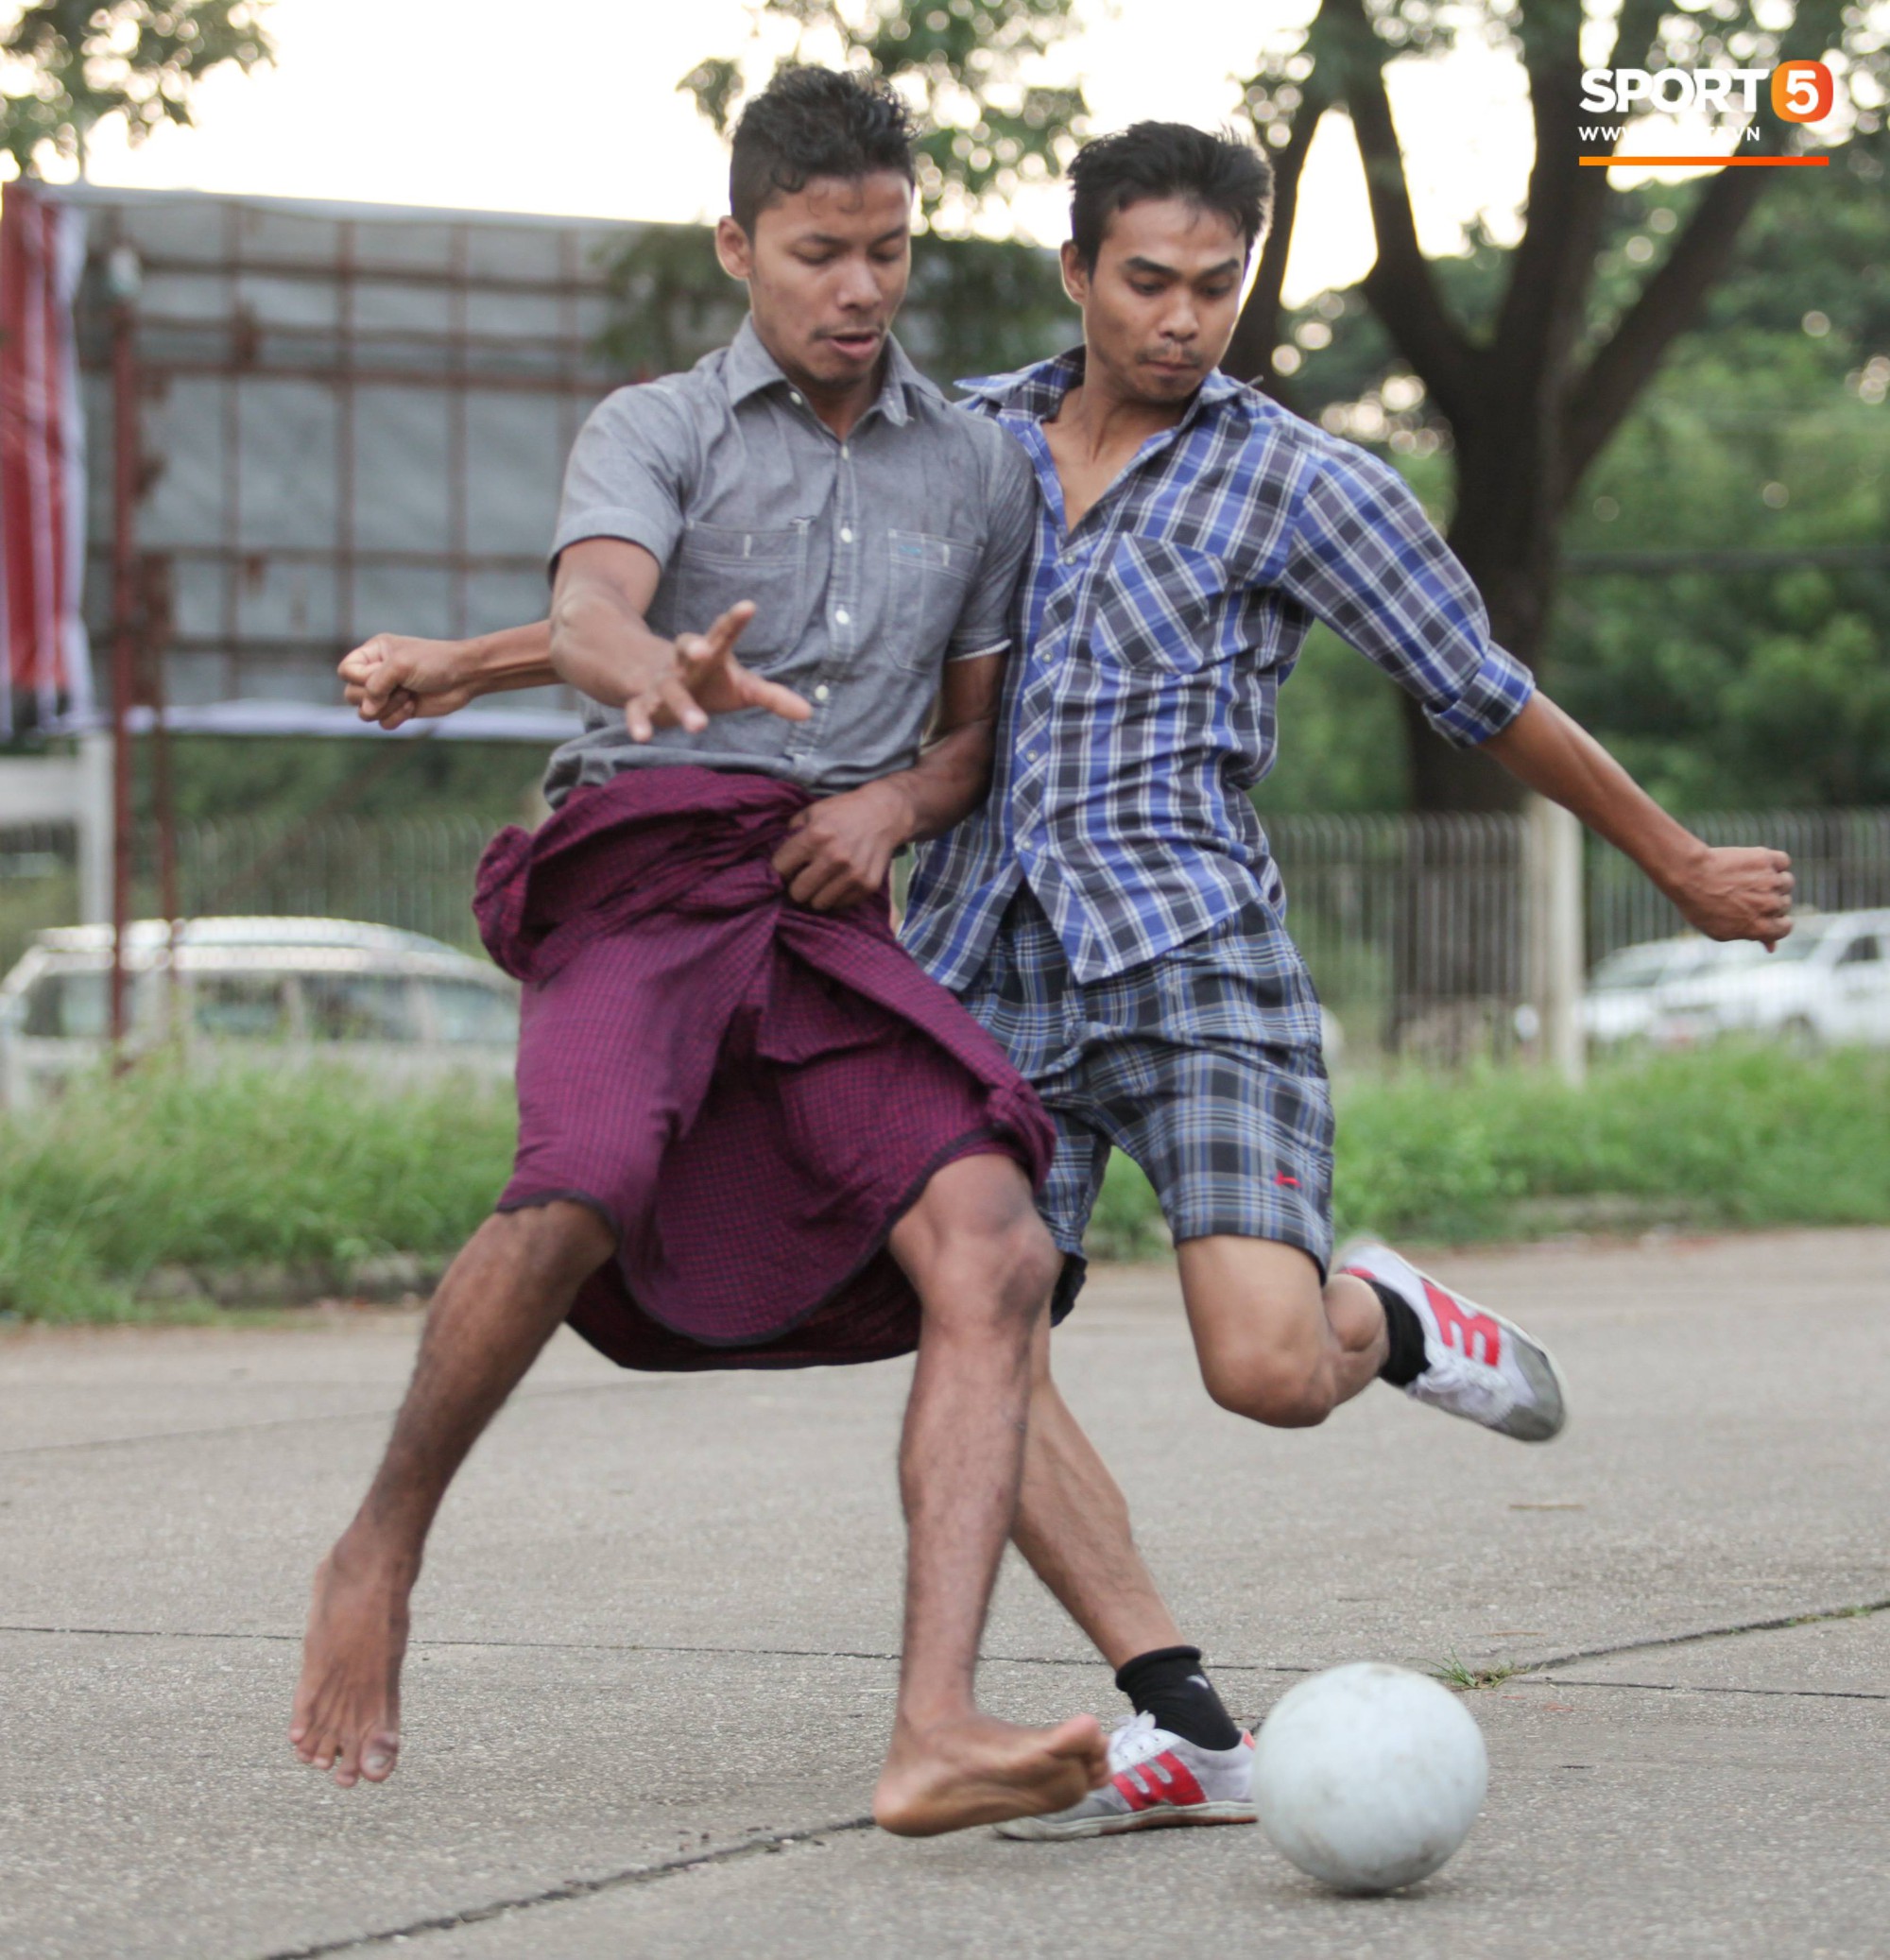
(232, 1170)
(1461, 1675)
(311, 1168)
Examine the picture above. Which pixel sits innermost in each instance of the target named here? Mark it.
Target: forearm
(601, 646)
(1557, 758)
(948, 782)
(513, 658)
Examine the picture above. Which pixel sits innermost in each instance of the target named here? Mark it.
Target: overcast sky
(570, 106)
(454, 102)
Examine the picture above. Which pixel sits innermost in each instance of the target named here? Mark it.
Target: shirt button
(821, 692)
(794, 395)
(841, 615)
(845, 534)
(845, 451)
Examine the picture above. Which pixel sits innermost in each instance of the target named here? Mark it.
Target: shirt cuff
(628, 526)
(977, 653)
(1497, 693)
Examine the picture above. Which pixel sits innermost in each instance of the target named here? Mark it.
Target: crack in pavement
(1533, 1673)
(1776, 1623)
(573, 1888)
(385, 1413)
(1699, 1688)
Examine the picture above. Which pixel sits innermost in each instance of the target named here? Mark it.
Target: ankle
(368, 1552)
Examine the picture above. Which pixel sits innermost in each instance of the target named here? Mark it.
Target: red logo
(1451, 1319)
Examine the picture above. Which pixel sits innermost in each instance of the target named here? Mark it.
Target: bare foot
(981, 1771)
(348, 1702)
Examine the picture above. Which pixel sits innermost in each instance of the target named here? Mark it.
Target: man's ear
(734, 248)
(1075, 274)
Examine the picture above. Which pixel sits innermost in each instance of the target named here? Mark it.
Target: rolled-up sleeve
(629, 473)
(1365, 559)
(1010, 493)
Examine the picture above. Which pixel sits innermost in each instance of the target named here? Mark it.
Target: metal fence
(1416, 928)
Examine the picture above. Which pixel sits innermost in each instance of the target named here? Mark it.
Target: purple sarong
(750, 1092)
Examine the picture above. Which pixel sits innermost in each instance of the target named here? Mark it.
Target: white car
(396, 1004)
(1827, 984)
(1627, 991)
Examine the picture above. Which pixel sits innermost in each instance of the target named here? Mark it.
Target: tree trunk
(1507, 532)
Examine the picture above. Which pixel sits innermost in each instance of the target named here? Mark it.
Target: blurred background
(302, 304)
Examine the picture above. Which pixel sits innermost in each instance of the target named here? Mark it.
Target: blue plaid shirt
(1139, 706)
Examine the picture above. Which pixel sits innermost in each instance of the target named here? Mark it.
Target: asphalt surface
(655, 1642)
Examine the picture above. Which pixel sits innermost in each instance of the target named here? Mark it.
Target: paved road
(654, 1657)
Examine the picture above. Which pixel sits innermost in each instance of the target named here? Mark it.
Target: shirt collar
(1037, 390)
(750, 367)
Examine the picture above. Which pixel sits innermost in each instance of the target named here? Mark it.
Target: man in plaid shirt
(1113, 914)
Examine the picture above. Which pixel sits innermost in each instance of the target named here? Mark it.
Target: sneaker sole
(1550, 1417)
(1167, 1816)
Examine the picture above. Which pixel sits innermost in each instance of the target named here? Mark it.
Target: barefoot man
(1112, 913)
(752, 1131)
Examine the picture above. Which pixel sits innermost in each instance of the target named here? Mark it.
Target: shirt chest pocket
(927, 585)
(1160, 606)
(716, 567)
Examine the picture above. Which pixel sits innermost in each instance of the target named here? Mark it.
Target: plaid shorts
(1203, 1065)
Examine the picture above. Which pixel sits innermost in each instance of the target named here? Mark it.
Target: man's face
(1160, 306)
(826, 271)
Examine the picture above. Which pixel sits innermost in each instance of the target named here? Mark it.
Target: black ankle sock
(1170, 1684)
(1405, 1362)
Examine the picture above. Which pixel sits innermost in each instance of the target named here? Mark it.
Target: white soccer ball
(1368, 1776)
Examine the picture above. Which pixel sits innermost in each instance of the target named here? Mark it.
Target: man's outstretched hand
(1736, 892)
(393, 678)
(706, 679)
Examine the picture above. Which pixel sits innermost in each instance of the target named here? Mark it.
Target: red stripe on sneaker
(1182, 1788)
(1129, 1783)
(1167, 1780)
(1468, 1328)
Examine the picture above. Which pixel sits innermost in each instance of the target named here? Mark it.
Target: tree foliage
(1570, 324)
(966, 66)
(71, 64)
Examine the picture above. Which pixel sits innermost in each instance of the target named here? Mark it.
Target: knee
(1273, 1385)
(1000, 1276)
(561, 1237)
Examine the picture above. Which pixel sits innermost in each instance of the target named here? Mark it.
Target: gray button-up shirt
(870, 561)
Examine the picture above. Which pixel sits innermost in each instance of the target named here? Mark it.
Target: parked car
(396, 1004)
(1827, 985)
(1627, 990)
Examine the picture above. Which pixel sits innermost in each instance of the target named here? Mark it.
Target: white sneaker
(1155, 1780)
(1477, 1365)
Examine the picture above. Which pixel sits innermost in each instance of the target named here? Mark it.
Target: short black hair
(809, 123)
(1166, 160)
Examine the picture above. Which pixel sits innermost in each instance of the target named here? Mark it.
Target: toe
(380, 1756)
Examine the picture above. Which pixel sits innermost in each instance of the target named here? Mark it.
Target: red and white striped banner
(42, 640)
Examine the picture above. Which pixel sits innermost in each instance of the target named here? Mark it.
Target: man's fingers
(679, 705)
(797, 849)
(640, 715)
(820, 886)
(770, 695)
(723, 634)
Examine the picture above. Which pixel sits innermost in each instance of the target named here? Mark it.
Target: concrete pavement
(654, 1645)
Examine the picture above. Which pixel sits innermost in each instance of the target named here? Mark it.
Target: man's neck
(840, 407)
(1101, 418)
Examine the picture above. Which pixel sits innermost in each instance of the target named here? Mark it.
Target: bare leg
(983, 1266)
(501, 1300)
(1272, 1343)
(1072, 1527)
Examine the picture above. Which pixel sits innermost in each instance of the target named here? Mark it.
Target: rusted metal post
(123, 280)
